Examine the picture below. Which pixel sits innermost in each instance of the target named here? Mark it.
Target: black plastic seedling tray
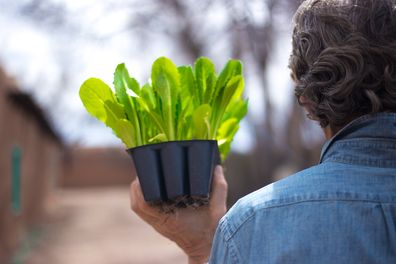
(176, 172)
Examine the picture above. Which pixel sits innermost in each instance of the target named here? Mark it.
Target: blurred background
(64, 177)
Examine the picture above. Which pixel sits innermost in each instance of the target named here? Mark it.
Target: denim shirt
(342, 210)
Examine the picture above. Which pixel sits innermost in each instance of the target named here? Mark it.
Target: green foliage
(181, 103)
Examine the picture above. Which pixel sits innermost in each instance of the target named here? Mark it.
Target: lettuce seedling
(180, 103)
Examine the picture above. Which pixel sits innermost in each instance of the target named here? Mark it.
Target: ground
(96, 226)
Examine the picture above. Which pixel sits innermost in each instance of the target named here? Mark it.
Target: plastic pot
(176, 170)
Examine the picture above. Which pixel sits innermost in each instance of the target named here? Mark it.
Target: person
(342, 210)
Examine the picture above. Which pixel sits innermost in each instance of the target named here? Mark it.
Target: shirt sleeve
(223, 249)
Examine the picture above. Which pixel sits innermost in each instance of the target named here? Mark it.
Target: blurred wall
(94, 167)
(31, 149)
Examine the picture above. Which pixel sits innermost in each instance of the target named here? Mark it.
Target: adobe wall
(94, 167)
(41, 165)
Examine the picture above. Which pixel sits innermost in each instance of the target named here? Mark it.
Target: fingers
(153, 216)
(140, 207)
(135, 195)
(219, 188)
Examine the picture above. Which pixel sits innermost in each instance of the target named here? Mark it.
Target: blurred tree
(277, 153)
(244, 29)
(251, 31)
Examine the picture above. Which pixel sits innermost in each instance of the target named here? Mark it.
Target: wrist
(196, 261)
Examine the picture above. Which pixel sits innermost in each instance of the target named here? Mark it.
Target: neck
(329, 131)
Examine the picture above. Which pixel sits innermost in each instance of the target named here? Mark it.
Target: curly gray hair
(344, 58)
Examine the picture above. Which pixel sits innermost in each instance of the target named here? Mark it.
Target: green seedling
(180, 103)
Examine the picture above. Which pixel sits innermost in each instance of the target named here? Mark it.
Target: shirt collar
(379, 125)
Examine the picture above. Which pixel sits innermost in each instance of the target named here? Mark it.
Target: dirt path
(96, 226)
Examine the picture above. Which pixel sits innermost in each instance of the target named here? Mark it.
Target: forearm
(192, 229)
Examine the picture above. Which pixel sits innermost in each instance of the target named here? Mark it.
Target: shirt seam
(225, 227)
(379, 163)
(367, 141)
(233, 251)
(323, 199)
(233, 232)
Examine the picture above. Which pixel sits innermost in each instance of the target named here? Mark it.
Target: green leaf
(166, 82)
(114, 111)
(225, 135)
(124, 83)
(158, 138)
(187, 127)
(205, 74)
(100, 102)
(226, 129)
(153, 117)
(122, 127)
(188, 92)
(147, 94)
(236, 109)
(181, 103)
(94, 93)
(201, 121)
(234, 85)
(188, 86)
(232, 68)
(178, 117)
(124, 130)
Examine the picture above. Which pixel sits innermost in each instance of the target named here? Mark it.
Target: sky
(91, 44)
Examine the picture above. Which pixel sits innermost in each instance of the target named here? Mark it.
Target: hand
(191, 229)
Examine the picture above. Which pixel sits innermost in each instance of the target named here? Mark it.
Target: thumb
(219, 188)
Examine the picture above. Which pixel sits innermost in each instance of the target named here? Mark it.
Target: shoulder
(297, 188)
(306, 192)
(294, 214)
